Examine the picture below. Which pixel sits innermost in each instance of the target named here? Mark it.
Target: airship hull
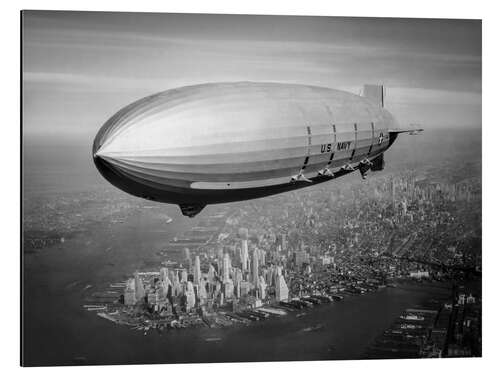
(226, 142)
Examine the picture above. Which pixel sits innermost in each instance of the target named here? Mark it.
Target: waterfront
(69, 335)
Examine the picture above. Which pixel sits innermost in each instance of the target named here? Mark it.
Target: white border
(9, 338)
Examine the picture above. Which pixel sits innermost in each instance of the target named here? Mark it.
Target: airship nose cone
(105, 165)
(121, 153)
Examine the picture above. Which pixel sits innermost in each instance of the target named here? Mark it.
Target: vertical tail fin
(376, 93)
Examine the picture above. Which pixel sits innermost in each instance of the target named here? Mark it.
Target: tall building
(244, 254)
(226, 267)
(262, 287)
(202, 291)
(190, 296)
(281, 287)
(172, 274)
(129, 294)
(211, 274)
(166, 289)
(255, 268)
(262, 257)
(404, 207)
(237, 275)
(220, 253)
(176, 285)
(197, 270)
(184, 276)
(228, 288)
(238, 289)
(164, 275)
(139, 288)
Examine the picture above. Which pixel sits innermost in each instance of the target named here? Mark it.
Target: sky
(80, 68)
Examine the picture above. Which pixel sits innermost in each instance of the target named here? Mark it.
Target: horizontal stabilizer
(413, 129)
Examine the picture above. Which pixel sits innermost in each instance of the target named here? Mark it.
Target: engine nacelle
(378, 163)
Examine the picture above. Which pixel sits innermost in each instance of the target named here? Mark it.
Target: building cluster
(247, 279)
(360, 236)
(402, 224)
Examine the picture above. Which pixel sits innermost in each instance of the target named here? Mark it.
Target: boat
(213, 339)
(337, 297)
(101, 308)
(412, 317)
(409, 326)
(311, 300)
(313, 328)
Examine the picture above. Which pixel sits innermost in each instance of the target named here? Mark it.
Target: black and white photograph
(213, 188)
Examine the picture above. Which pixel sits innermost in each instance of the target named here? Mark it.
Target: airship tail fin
(375, 93)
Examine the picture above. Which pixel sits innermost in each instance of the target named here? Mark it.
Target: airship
(223, 142)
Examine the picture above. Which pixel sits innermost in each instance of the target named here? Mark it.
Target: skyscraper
(184, 276)
(177, 288)
(190, 296)
(202, 291)
(211, 274)
(255, 268)
(262, 287)
(244, 254)
(404, 207)
(262, 257)
(220, 252)
(197, 271)
(281, 287)
(139, 288)
(129, 294)
(164, 274)
(225, 267)
(228, 288)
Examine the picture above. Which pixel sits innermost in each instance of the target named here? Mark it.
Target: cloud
(76, 61)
